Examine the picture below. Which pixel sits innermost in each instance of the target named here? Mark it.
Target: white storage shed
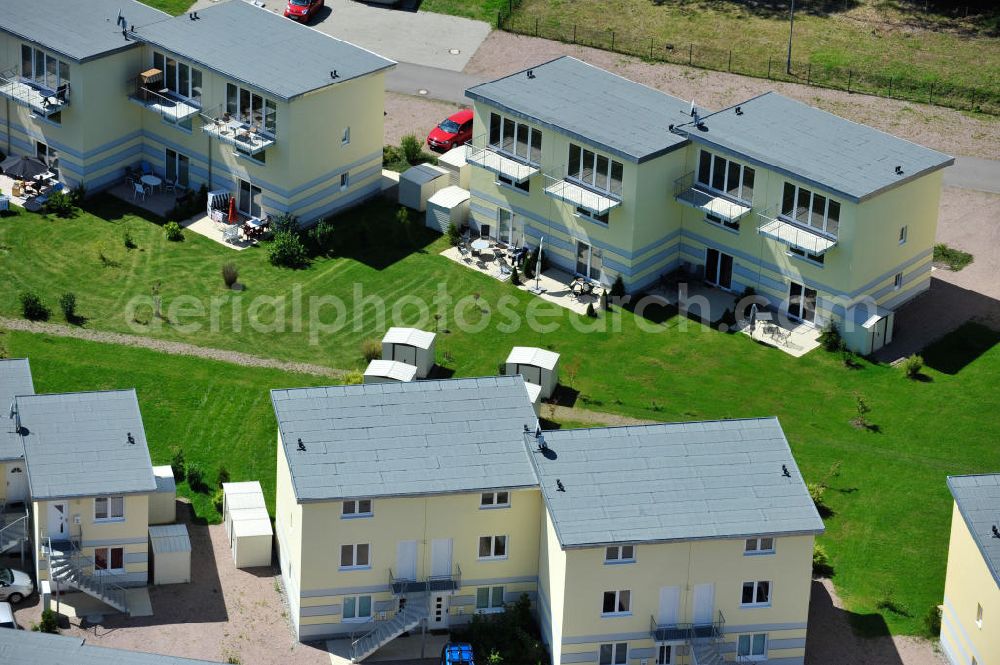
(163, 503)
(170, 547)
(247, 524)
(448, 206)
(411, 346)
(538, 366)
(454, 162)
(389, 371)
(419, 183)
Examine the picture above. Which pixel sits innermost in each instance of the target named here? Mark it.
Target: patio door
(441, 556)
(48, 157)
(718, 268)
(177, 168)
(510, 228)
(249, 199)
(704, 604)
(406, 559)
(589, 261)
(801, 302)
(670, 606)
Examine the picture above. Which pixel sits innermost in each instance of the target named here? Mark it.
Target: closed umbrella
(233, 218)
(538, 266)
(22, 168)
(753, 317)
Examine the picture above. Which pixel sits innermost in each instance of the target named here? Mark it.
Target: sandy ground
(949, 131)
(831, 640)
(407, 114)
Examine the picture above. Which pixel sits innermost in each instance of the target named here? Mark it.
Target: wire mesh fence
(927, 90)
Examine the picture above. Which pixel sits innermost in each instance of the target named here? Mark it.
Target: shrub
(821, 562)
(60, 204)
(286, 222)
(408, 227)
(196, 478)
(49, 622)
(78, 194)
(728, 320)
(912, 366)
(177, 464)
(127, 239)
(218, 499)
(412, 148)
(618, 288)
(230, 273)
(173, 231)
(222, 475)
(505, 637)
(321, 237)
(67, 303)
(515, 279)
(932, 621)
(604, 300)
(287, 251)
(816, 492)
(392, 155)
(591, 312)
(32, 307)
(955, 259)
(454, 235)
(353, 377)
(371, 349)
(189, 204)
(862, 408)
(829, 337)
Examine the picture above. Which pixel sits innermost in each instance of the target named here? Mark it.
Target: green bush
(67, 303)
(371, 349)
(392, 155)
(591, 312)
(196, 478)
(955, 259)
(49, 622)
(454, 235)
(829, 337)
(177, 464)
(222, 475)
(321, 237)
(932, 621)
(287, 251)
(286, 222)
(353, 377)
(60, 204)
(128, 240)
(821, 562)
(412, 148)
(173, 231)
(618, 287)
(505, 637)
(230, 273)
(218, 499)
(32, 307)
(78, 194)
(912, 366)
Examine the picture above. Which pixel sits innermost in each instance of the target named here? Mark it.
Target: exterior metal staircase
(705, 640)
(706, 652)
(413, 613)
(69, 566)
(14, 533)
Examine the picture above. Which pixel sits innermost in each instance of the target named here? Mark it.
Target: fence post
(729, 67)
(536, 26)
(890, 87)
(850, 75)
(574, 33)
(690, 54)
(650, 48)
(930, 93)
(769, 68)
(612, 41)
(809, 72)
(499, 20)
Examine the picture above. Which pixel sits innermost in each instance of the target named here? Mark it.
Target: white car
(15, 586)
(7, 616)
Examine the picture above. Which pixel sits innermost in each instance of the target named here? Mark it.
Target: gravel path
(174, 348)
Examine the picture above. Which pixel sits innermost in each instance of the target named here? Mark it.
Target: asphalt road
(974, 173)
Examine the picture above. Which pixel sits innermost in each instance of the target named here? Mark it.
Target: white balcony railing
(172, 107)
(492, 158)
(790, 233)
(245, 134)
(40, 99)
(690, 192)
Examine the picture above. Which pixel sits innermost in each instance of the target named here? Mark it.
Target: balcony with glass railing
(250, 133)
(791, 233)
(147, 89)
(690, 192)
(493, 158)
(40, 99)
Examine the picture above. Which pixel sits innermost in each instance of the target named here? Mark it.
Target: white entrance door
(670, 603)
(441, 556)
(58, 522)
(439, 612)
(17, 483)
(704, 604)
(406, 559)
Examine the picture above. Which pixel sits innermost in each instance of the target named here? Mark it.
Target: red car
(456, 130)
(303, 10)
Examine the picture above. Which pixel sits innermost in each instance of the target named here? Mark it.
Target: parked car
(303, 10)
(454, 131)
(7, 616)
(15, 585)
(457, 653)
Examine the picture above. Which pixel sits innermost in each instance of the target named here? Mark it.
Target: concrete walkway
(974, 173)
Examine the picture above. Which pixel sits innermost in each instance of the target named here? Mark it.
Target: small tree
(321, 237)
(177, 464)
(515, 279)
(454, 235)
(287, 251)
(591, 312)
(218, 499)
(604, 300)
(862, 408)
(912, 366)
(412, 148)
(230, 273)
(222, 475)
(49, 622)
(67, 303)
(128, 240)
(830, 338)
(286, 221)
(32, 307)
(371, 349)
(60, 204)
(196, 478)
(618, 287)
(173, 231)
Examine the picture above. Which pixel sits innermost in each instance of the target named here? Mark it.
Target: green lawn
(175, 7)
(887, 539)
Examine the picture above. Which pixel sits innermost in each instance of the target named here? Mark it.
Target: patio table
(480, 245)
(151, 181)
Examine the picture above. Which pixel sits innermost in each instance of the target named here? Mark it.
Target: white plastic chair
(231, 234)
(138, 191)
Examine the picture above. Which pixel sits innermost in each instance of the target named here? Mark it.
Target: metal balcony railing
(401, 586)
(559, 184)
(790, 232)
(172, 107)
(250, 135)
(494, 158)
(725, 209)
(69, 565)
(687, 631)
(38, 98)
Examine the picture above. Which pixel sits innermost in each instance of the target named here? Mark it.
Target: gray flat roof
(672, 481)
(599, 108)
(847, 158)
(26, 647)
(978, 499)
(74, 28)
(15, 379)
(76, 444)
(263, 49)
(398, 439)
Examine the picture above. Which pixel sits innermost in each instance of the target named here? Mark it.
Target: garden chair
(169, 185)
(231, 234)
(138, 191)
(146, 168)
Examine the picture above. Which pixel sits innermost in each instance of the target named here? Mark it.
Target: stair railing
(95, 582)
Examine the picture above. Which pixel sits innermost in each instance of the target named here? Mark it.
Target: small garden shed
(163, 503)
(170, 547)
(389, 371)
(247, 524)
(419, 183)
(411, 346)
(448, 206)
(459, 170)
(538, 366)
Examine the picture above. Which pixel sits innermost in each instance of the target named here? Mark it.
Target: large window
(109, 559)
(516, 138)
(249, 199)
(357, 608)
(589, 261)
(251, 108)
(752, 646)
(355, 556)
(726, 176)
(178, 168)
(810, 209)
(756, 593)
(617, 602)
(42, 68)
(109, 508)
(594, 170)
(178, 77)
(493, 547)
(613, 654)
(489, 598)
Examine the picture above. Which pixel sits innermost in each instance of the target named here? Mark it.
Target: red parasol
(233, 218)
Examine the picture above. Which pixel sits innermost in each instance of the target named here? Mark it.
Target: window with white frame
(250, 108)
(494, 500)
(493, 547)
(357, 508)
(178, 77)
(903, 232)
(109, 508)
(759, 546)
(355, 556)
(357, 608)
(801, 253)
(515, 138)
(810, 209)
(524, 186)
(897, 281)
(756, 594)
(613, 654)
(489, 598)
(726, 176)
(590, 214)
(345, 181)
(616, 603)
(752, 646)
(346, 138)
(42, 68)
(109, 559)
(619, 554)
(979, 615)
(665, 654)
(595, 171)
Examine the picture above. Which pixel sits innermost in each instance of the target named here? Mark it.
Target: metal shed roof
(164, 476)
(26, 647)
(978, 499)
(391, 369)
(252, 522)
(243, 487)
(531, 355)
(77, 444)
(456, 157)
(668, 482)
(15, 379)
(399, 439)
(264, 49)
(409, 336)
(169, 538)
(246, 507)
(449, 197)
(422, 174)
(847, 158)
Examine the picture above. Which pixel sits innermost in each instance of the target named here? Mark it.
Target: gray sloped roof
(672, 481)
(978, 499)
(76, 444)
(397, 439)
(261, 48)
(79, 29)
(850, 159)
(15, 379)
(602, 109)
(26, 647)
